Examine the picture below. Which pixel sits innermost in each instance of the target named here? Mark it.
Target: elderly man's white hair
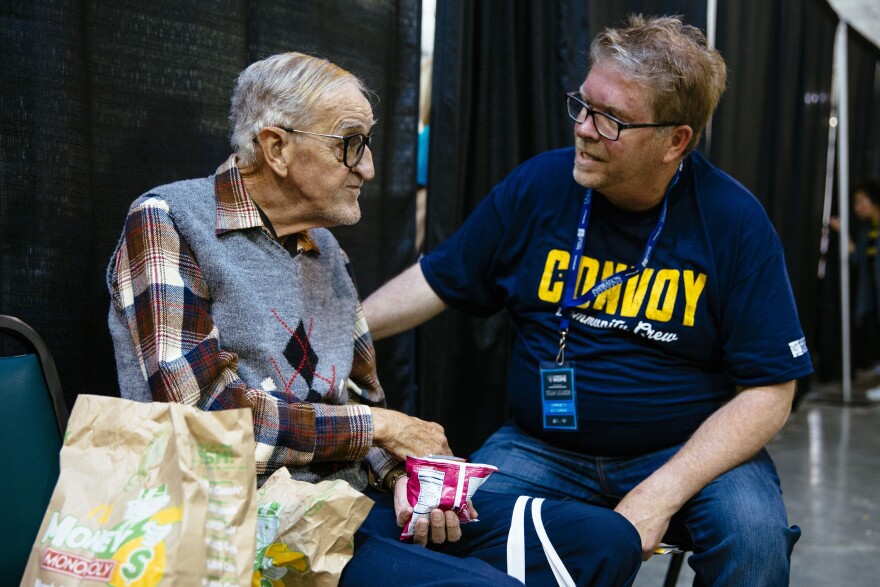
(281, 90)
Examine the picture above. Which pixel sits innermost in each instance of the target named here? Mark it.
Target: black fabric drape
(864, 148)
(501, 70)
(771, 129)
(864, 107)
(609, 13)
(102, 100)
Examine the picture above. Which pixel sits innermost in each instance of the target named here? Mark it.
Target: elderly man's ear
(272, 141)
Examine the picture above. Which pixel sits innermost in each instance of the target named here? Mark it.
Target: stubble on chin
(354, 218)
(584, 178)
(350, 216)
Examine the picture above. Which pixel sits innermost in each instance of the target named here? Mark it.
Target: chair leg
(674, 569)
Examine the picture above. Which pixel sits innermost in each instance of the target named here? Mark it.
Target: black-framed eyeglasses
(606, 125)
(353, 146)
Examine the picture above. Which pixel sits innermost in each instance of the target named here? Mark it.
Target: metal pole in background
(711, 25)
(830, 157)
(840, 64)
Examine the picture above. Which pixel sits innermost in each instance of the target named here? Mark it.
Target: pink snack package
(442, 482)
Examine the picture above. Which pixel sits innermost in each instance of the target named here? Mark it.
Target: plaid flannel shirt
(167, 332)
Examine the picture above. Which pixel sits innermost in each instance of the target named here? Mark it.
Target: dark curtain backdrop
(497, 101)
(864, 124)
(501, 70)
(771, 129)
(864, 107)
(102, 100)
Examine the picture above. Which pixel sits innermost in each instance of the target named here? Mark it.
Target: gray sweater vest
(289, 319)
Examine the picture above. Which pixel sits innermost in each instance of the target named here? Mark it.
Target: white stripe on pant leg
(559, 570)
(516, 547)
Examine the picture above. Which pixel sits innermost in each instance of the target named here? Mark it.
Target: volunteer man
(657, 342)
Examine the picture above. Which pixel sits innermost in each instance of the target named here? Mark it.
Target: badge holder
(557, 392)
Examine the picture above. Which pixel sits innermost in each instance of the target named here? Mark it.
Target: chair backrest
(33, 418)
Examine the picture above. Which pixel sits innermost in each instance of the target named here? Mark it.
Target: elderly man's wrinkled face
(318, 174)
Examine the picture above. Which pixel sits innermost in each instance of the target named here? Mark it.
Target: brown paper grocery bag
(305, 531)
(150, 494)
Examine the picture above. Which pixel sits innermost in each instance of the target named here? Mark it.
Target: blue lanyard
(569, 300)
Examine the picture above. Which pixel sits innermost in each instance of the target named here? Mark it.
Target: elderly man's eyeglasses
(606, 125)
(353, 146)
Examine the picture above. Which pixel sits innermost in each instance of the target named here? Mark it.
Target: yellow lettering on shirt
(553, 279)
(666, 280)
(634, 295)
(693, 289)
(654, 292)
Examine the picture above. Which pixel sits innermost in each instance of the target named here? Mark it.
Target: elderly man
(228, 292)
(657, 338)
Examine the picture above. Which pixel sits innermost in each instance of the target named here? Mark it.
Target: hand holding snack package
(149, 494)
(442, 482)
(305, 531)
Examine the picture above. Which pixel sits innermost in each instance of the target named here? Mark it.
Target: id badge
(558, 396)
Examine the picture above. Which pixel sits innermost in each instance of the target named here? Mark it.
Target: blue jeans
(736, 526)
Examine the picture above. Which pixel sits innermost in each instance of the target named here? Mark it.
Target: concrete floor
(828, 457)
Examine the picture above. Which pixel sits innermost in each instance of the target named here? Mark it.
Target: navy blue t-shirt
(657, 355)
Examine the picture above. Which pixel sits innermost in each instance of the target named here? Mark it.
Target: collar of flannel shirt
(237, 211)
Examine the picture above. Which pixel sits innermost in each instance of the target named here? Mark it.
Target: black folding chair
(674, 568)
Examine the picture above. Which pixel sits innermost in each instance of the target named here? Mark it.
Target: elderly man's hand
(442, 527)
(403, 435)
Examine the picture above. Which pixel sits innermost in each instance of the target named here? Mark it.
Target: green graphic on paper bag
(131, 554)
(152, 456)
(148, 521)
(273, 560)
(317, 502)
(215, 454)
